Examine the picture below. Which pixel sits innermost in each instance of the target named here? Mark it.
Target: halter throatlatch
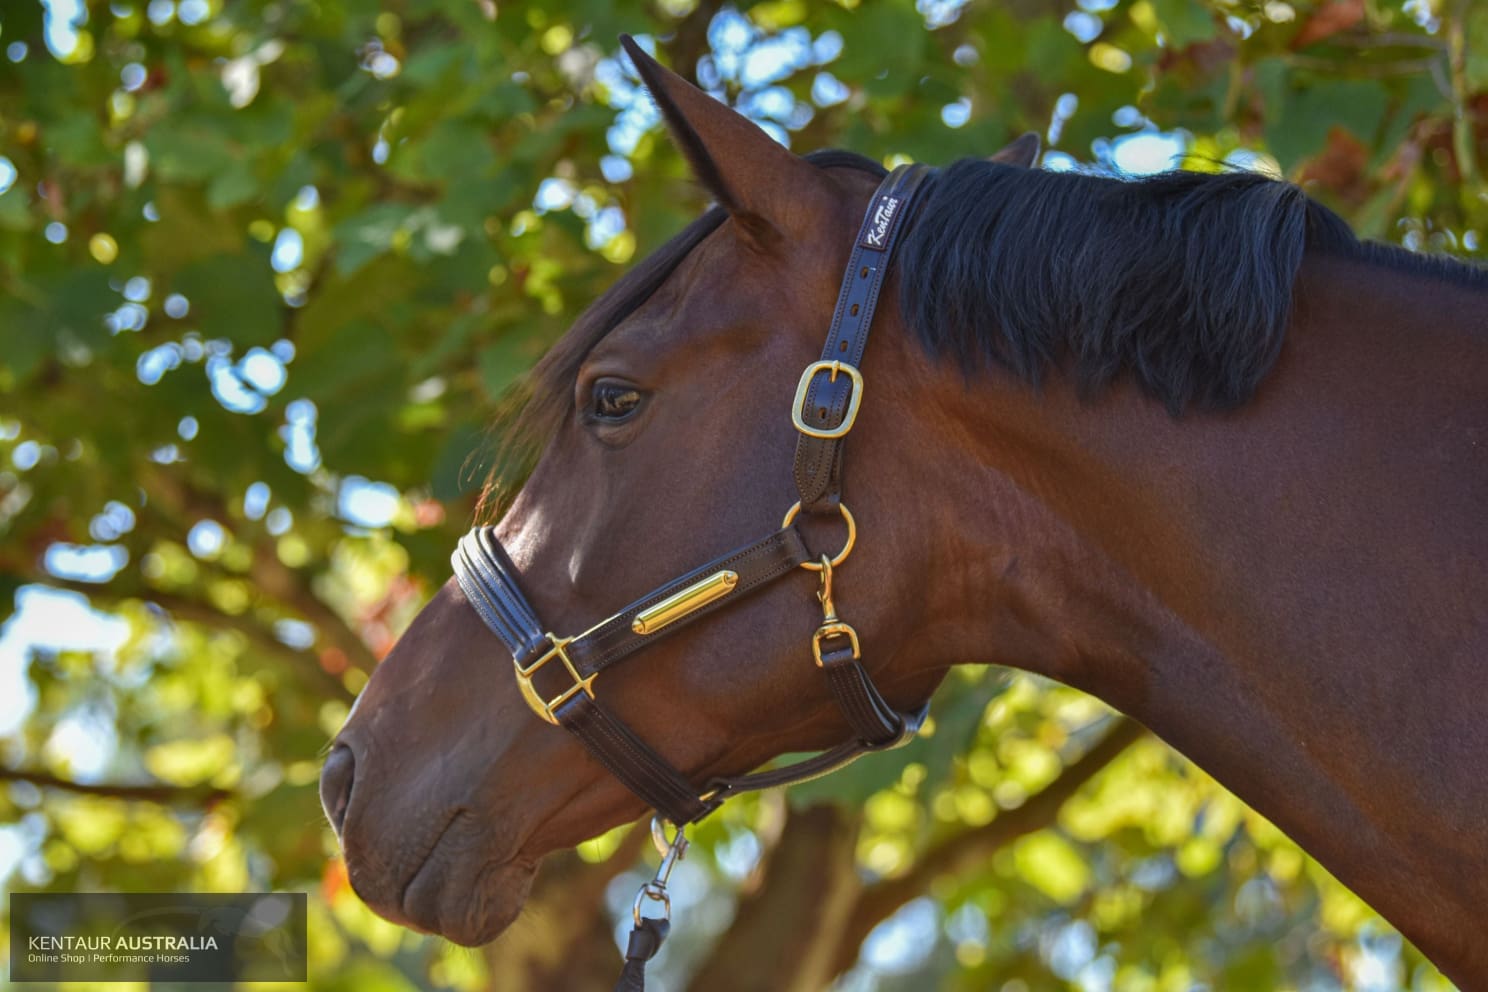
(559, 677)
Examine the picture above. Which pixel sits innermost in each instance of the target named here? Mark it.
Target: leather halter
(826, 405)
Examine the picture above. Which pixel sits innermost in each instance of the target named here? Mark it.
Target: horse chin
(471, 908)
(464, 906)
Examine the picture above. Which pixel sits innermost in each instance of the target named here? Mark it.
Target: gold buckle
(854, 401)
(545, 708)
(838, 629)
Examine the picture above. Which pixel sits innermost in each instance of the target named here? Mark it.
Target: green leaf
(459, 469)
(368, 234)
(1476, 65)
(187, 232)
(189, 151)
(883, 46)
(457, 150)
(15, 211)
(1050, 864)
(428, 65)
(78, 140)
(501, 363)
(359, 355)
(27, 343)
(1185, 21)
(233, 296)
(232, 186)
(367, 293)
(1306, 108)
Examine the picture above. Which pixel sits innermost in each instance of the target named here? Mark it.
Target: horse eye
(614, 402)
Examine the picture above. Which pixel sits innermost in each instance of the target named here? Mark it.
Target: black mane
(1182, 280)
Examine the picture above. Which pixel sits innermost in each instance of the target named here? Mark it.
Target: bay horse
(1183, 443)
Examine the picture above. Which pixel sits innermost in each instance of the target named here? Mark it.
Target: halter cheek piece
(826, 406)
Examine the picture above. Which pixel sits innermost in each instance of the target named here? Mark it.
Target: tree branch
(974, 847)
(809, 890)
(197, 611)
(156, 793)
(1464, 137)
(689, 41)
(178, 505)
(289, 585)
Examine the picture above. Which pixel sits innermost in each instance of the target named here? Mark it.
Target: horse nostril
(335, 785)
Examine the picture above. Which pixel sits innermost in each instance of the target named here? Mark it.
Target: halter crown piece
(826, 405)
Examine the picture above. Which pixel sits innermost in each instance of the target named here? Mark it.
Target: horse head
(665, 438)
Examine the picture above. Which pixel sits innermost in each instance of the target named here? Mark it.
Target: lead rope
(648, 932)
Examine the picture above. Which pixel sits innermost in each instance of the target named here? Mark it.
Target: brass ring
(852, 535)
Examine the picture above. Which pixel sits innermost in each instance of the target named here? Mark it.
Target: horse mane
(1182, 280)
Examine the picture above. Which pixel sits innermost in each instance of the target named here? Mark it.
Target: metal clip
(672, 851)
(831, 625)
(824, 591)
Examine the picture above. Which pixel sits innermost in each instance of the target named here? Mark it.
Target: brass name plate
(685, 601)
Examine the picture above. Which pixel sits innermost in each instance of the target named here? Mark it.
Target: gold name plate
(679, 604)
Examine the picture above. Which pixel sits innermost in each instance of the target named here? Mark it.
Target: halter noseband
(826, 405)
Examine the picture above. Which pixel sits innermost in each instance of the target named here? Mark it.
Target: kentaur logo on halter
(882, 218)
(825, 408)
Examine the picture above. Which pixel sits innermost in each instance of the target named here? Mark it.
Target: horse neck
(1293, 593)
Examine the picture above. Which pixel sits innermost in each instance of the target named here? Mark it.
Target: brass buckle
(545, 708)
(853, 402)
(838, 629)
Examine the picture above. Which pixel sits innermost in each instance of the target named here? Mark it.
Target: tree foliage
(265, 270)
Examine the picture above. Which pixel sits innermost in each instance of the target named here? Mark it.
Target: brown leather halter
(825, 408)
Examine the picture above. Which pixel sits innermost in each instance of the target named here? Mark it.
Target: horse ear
(757, 180)
(1022, 152)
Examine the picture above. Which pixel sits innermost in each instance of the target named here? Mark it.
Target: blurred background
(265, 269)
